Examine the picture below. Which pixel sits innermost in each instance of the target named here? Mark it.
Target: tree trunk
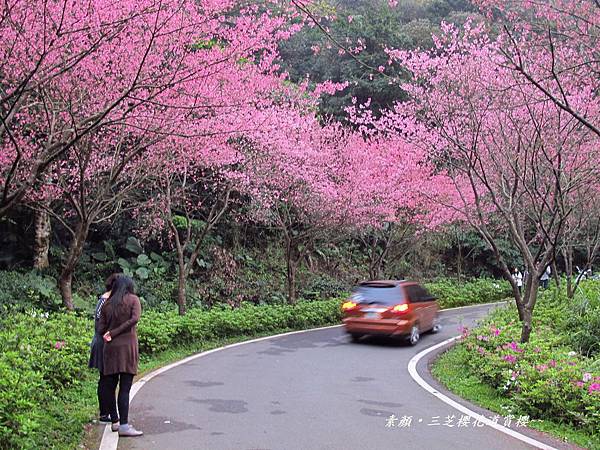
(292, 255)
(373, 259)
(65, 279)
(555, 274)
(181, 293)
(570, 290)
(41, 243)
(568, 257)
(65, 283)
(526, 326)
(375, 269)
(529, 299)
(459, 260)
(291, 282)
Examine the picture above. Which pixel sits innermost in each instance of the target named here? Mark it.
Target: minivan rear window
(387, 294)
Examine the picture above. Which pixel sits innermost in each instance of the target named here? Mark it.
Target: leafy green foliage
(42, 356)
(24, 290)
(160, 330)
(141, 266)
(583, 324)
(374, 26)
(322, 285)
(451, 293)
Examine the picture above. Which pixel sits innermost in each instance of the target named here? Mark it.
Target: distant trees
(352, 48)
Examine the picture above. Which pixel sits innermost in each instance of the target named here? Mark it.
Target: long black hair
(122, 286)
(108, 284)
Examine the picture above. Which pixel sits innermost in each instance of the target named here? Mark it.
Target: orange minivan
(395, 308)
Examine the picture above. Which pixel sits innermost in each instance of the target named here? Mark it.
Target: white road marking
(412, 370)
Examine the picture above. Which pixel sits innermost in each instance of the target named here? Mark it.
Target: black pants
(108, 388)
(104, 389)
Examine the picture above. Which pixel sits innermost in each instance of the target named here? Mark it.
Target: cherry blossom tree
(391, 186)
(317, 181)
(582, 235)
(202, 175)
(70, 68)
(513, 156)
(553, 45)
(88, 186)
(193, 203)
(89, 90)
(291, 183)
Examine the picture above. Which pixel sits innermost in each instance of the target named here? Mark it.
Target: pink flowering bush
(543, 378)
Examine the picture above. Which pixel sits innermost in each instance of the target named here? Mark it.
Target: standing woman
(97, 354)
(518, 279)
(118, 319)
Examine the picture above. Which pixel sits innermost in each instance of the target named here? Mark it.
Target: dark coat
(121, 353)
(97, 345)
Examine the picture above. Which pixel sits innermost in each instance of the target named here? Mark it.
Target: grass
(449, 369)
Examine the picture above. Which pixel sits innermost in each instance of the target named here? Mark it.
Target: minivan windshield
(381, 294)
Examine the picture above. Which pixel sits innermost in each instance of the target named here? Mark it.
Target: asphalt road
(313, 390)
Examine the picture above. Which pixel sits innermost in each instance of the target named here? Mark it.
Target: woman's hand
(107, 337)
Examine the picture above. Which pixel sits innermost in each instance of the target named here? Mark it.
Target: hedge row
(451, 294)
(41, 357)
(159, 331)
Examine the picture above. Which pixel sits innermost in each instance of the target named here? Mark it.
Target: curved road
(313, 390)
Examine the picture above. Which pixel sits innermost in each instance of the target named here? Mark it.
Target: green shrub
(451, 294)
(22, 391)
(583, 324)
(42, 356)
(158, 331)
(26, 290)
(322, 285)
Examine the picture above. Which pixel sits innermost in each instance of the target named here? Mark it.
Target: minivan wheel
(355, 337)
(414, 335)
(437, 326)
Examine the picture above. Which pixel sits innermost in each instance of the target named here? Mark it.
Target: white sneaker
(128, 430)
